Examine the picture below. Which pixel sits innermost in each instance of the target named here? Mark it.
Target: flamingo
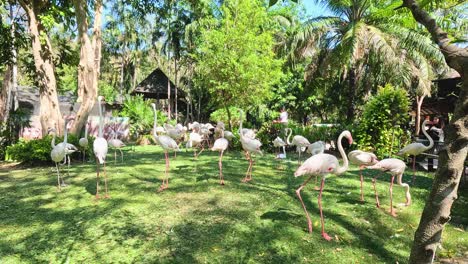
(250, 133)
(362, 159)
(59, 153)
(116, 144)
(250, 146)
(220, 145)
(322, 164)
(100, 148)
(278, 143)
(195, 141)
(298, 141)
(83, 142)
(317, 147)
(228, 135)
(417, 149)
(167, 143)
(396, 168)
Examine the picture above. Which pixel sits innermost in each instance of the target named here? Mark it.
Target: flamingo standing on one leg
(250, 146)
(417, 148)
(195, 141)
(100, 148)
(396, 168)
(362, 159)
(220, 145)
(322, 164)
(83, 142)
(298, 141)
(167, 144)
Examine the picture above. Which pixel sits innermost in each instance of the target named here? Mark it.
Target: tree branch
(453, 54)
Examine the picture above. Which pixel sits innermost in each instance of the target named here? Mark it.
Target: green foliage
(382, 121)
(67, 78)
(221, 115)
(140, 113)
(108, 91)
(38, 150)
(9, 131)
(235, 58)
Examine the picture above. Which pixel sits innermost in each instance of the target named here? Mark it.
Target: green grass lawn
(198, 221)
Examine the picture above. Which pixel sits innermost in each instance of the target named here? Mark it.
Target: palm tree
(364, 44)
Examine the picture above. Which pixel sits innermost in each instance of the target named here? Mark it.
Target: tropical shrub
(140, 113)
(221, 115)
(38, 150)
(382, 122)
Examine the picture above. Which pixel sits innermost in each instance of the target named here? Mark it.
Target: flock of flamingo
(319, 164)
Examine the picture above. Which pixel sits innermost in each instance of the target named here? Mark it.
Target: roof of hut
(155, 86)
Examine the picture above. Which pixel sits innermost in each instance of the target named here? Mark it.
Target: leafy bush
(269, 131)
(38, 150)
(9, 131)
(382, 121)
(140, 113)
(221, 115)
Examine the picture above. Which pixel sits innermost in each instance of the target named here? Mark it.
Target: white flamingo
(279, 143)
(317, 147)
(417, 149)
(59, 153)
(83, 142)
(362, 159)
(100, 148)
(250, 146)
(228, 135)
(116, 144)
(220, 145)
(299, 141)
(167, 143)
(322, 165)
(396, 168)
(195, 141)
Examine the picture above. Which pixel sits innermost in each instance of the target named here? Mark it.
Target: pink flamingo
(396, 168)
(221, 144)
(362, 159)
(322, 164)
(167, 144)
(249, 145)
(417, 149)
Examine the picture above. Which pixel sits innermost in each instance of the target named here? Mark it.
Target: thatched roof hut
(155, 86)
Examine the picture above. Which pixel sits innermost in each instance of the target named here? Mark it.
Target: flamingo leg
(299, 159)
(377, 203)
(121, 154)
(97, 178)
(163, 184)
(105, 181)
(202, 149)
(324, 235)
(221, 177)
(68, 170)
(360, 174)
(249, 158)
(58, 177)
(251, 168)
(115, 156)
(392, 211)
(298, 193)
(414, 170)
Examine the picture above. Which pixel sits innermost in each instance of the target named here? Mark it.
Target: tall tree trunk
(90, 61)
(175, 86)
(229, 117)
(168, 98)
(419, 102)
(5, 94)
(14, 64)
(451, 159)
(50, 116)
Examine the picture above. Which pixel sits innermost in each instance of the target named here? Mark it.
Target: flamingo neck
(431, 141)
(222, 133)
(100, 119)
(65, 137)
(52, 143)
(86, 131)
(407, 187)
(343, 168)
(289, 136)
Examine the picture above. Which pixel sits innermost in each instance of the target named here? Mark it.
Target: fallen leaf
(400, 230)
(338, 249)
(459, 229)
